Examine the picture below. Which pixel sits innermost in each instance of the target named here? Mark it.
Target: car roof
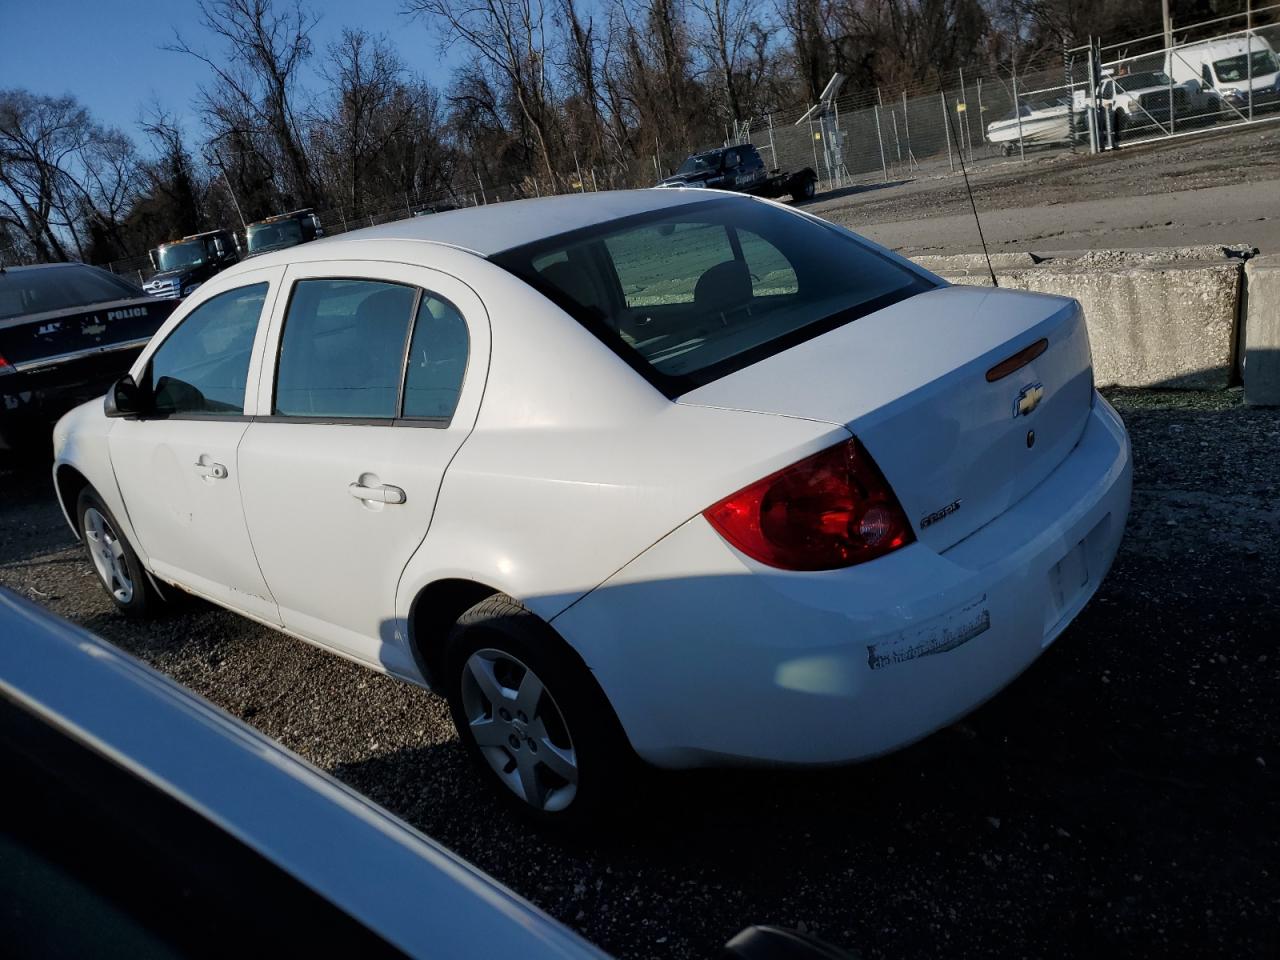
(1229, 45)
(492, 228)
(399, 884)
(48, 266)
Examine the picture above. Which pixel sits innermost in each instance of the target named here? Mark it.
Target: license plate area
(1068, 582)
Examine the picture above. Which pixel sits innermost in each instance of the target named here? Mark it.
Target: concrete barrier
(1261, 313)
(1157, 318)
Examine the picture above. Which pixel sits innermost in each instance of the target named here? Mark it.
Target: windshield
(181, 256)
(701, 163)
(272, 236)
(1141, 81)
(690, 294)
(1235, 69)
(42, 289)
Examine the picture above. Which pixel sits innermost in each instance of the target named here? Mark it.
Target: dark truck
(67, 332)
(182, 265)
(282, 230)
(740, 169)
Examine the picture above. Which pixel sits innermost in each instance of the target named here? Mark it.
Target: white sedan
(673, 474)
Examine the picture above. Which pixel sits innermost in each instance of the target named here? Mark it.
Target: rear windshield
(690, 294)
(59, 288)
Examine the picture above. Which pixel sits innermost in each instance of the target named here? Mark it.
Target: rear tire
(532, 718)
(806, 190)
(120, 572)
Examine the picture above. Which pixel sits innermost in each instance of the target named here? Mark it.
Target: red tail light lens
(833, 509)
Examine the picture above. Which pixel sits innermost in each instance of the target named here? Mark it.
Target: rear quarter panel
(577, 464)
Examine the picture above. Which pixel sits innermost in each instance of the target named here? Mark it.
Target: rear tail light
(5, 366)
(833, 509)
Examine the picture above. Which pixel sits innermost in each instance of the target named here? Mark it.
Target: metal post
(883, 166)
(1091, 103)
(1017, 111)
(964, 98)
(1248, 50)
(582, 187)
(408, 209)
(946, 125)
(837, 146)
(982, 124)
(814, 142)
(343, 218)
(773, 151)
(906, 127)
(1071, 96)
(1168, 25)
(897, 144)
(594, 186)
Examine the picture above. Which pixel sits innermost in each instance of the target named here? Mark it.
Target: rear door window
(342, 352)
(370, 350)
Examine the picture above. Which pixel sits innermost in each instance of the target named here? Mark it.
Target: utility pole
(1168, 24)
(227, 180)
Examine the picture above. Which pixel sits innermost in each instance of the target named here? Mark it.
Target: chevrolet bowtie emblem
(1029, 398)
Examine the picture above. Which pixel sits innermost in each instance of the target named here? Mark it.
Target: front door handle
(205, 467)
(376, 493)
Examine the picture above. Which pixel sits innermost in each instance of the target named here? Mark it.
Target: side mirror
(124, 399)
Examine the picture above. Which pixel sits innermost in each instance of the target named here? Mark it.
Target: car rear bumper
(711, 658)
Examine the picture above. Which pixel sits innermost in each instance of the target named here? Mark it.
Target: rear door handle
(205, 467)
(380, 493)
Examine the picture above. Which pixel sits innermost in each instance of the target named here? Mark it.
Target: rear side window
(692, 293)
(370, 350)
(203, 365)
(343, 349)
(437, 360)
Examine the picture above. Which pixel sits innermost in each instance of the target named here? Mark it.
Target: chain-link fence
(1220, 72)
(1090, 98)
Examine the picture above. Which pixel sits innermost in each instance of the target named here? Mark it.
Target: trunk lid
(910, 382)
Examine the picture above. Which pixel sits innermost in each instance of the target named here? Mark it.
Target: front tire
(116, 563)
(531, 716)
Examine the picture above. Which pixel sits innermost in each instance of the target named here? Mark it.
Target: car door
(379, 369)
(176, 466)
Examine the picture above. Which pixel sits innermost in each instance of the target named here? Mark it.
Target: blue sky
(108, 53)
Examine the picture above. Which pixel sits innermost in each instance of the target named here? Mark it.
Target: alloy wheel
(519, 729)
(107, 552)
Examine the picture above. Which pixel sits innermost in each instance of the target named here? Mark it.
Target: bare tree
(368, 109)
(58, 171)
(266, 50)
(734, 44)
(509, 39)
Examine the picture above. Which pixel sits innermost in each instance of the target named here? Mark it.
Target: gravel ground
(1119, 798)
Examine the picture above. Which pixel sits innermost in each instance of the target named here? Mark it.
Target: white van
(1231, 66)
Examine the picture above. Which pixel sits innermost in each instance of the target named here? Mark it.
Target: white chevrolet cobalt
(677, 474)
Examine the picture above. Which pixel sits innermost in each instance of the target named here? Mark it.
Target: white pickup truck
(1150, 99)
